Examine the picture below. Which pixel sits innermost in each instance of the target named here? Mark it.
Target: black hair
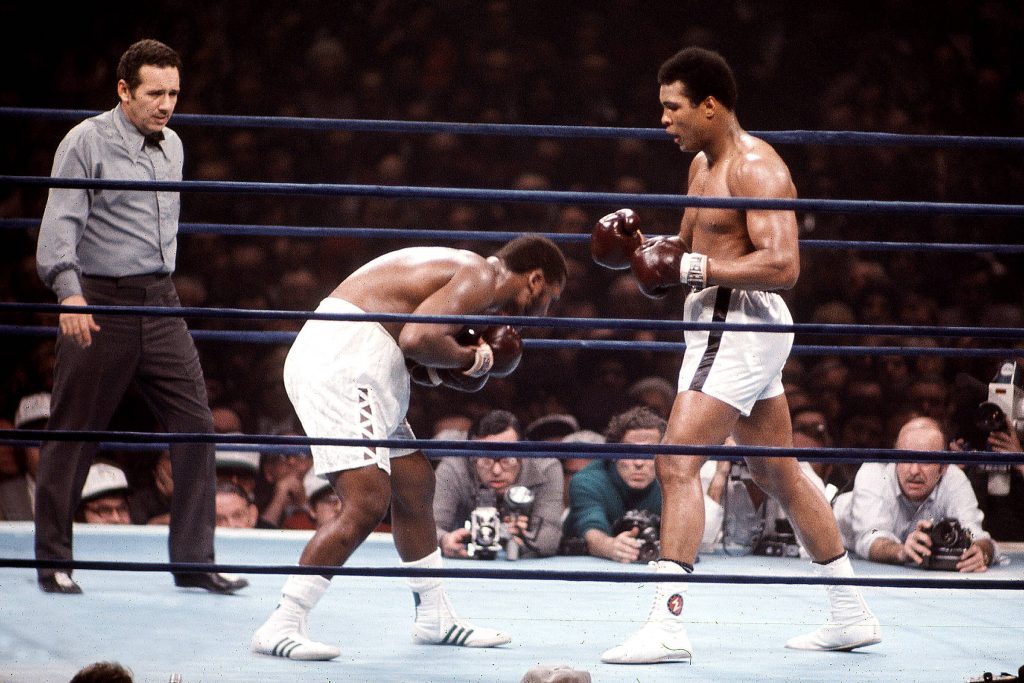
(525, 253)
(103, 672)
(145, 53)
(703, 73)
(231, 487)
(494, 422)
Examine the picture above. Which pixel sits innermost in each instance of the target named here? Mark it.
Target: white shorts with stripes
(348, 380)
(737, 367)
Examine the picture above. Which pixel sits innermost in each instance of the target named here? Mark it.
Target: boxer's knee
(677, 471)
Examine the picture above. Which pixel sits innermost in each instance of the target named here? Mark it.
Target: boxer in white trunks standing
(350, 380)
(730, 383)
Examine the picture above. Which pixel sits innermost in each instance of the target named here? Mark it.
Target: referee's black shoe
(211, 581)
(61, 582)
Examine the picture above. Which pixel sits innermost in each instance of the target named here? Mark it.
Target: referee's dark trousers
(159, 356)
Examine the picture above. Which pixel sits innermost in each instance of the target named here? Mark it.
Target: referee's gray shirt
(112, 233)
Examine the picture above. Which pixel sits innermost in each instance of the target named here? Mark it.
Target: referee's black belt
(144, 280)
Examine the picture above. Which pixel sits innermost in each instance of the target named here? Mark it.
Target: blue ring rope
(518, 574)
(280, 337)
(533, 449)
(505, 236)
(793, 137)
(523, 321)
(536, 196)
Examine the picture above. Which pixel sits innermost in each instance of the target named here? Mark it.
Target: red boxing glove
(656, 266)
(614, 238)
(499, 349)
(661, 264)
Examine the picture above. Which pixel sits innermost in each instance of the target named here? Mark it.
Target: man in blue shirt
(118, 247)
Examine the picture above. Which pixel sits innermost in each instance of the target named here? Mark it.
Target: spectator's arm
(623, 548)
(873, 510)
(546, 515)
(447, 494)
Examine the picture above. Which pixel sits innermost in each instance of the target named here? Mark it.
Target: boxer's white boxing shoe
(850, 625)
(277, 640)
(437, 624)
(663, 638)
(656, 641)
(285, 633)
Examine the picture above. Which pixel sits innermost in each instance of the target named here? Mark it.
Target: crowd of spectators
(800, 65)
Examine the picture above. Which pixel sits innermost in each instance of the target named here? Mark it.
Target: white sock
(300, 594)
(424, 584)
(669, 597)
(837, 568)
(846, 602)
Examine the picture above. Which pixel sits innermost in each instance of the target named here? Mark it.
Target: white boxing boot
(284, 633)
(663, 638)
(436, 622)
(850, 625)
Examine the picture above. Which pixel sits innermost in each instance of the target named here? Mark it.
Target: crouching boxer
(350, 380)
(730, 383)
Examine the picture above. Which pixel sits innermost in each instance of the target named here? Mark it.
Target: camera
(484, 533)
(949, 541)
(1001, 412)
(649, 534)
(779, 543)
(487, 533)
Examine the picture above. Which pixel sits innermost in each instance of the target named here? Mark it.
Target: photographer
(893, 507)
(465, 484)
(603, 492)
(1004, 506)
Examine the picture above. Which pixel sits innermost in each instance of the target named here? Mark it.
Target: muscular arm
(470, 291)
(774, 262)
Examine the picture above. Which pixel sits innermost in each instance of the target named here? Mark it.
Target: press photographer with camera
(992, 419)
(512, 503)
(925, 514)
(615, 505)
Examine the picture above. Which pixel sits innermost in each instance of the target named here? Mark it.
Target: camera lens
(990, 417)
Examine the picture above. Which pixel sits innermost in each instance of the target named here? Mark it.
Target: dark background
(952, 68)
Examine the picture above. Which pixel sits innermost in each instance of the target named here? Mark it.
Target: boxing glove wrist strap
(693, 271)
(483, 362)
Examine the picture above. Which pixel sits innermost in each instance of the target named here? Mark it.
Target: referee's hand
(78, 326)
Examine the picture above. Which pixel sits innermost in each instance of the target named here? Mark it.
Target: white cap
(103, 480)
(246, 460)
(31, 408)
(583, 436)
(314, 484)
(450, 434)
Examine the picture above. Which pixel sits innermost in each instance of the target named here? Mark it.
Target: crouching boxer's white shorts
(737, 367)
(348, 380)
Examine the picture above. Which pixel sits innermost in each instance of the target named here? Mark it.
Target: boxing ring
(936, 626)
(141, 620)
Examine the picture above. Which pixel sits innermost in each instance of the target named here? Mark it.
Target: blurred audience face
(112, 509)
(638, 474)
(234, 511)
(241, 477)
(325, 507)
(226, 421)
(498, 472)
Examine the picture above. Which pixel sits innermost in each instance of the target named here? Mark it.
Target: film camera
(648, 525)
(487, 533)
(1002, 411)
(949, 541)
(781, 542)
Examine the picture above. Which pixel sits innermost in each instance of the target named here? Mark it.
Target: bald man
(886, 516)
